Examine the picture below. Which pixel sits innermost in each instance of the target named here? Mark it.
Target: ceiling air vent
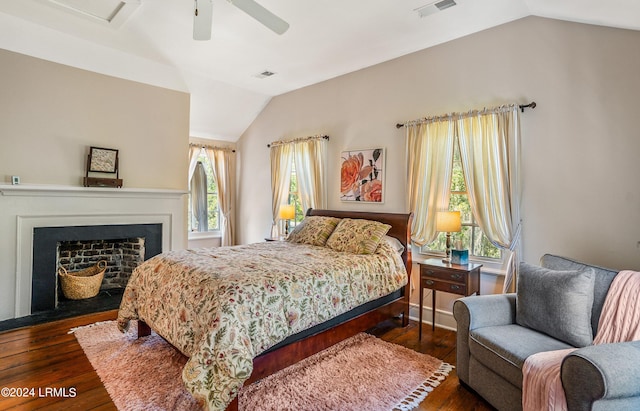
(265, 74)
(434, 7)
(445, 4)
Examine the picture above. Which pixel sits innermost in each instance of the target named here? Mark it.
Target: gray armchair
(608, 376)
(492, 345)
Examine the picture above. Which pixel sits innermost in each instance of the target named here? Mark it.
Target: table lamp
(287, 212)
(448, 222)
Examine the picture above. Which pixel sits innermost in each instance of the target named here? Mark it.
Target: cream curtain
(281, 159)
(490, 153)
(199, 197)
(194, 152)
(309, 157)
(429, 168)
(221, 160)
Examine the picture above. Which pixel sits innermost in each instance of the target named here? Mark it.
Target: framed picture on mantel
(104, 161)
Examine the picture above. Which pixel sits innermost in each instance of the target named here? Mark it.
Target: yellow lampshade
(448, 221)
(287, 212)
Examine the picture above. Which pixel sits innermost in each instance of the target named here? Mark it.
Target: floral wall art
(361, 175)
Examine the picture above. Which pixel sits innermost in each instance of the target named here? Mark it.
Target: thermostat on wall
(15, 180)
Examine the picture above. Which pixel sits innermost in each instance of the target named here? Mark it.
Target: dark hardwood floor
(46, 356)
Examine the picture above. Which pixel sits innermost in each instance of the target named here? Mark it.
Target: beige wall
(580, 145)
(50, 114)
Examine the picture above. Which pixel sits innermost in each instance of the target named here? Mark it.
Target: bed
(244, 312)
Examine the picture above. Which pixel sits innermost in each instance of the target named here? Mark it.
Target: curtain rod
(521, 106)
(213, 147)
(295, 140)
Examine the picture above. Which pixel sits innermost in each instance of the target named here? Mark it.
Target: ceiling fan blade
(261, 14)
(202, 17)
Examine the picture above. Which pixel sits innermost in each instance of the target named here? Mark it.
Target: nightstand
(452, 278)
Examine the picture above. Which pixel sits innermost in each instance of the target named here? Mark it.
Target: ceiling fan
(203, 13)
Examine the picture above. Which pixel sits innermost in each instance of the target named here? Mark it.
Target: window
(471, 236)
(213, 212)
(297, 176)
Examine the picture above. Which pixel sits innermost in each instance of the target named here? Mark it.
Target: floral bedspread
(224, 306)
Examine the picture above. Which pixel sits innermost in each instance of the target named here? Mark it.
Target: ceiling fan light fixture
(202, 19)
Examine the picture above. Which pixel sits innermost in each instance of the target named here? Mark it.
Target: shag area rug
(361, 373)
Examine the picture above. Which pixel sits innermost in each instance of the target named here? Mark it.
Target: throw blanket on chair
(619, 322)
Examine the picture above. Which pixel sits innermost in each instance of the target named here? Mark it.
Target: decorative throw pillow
(357, 236)
(557, 303)
(602, 282)
(313, 230)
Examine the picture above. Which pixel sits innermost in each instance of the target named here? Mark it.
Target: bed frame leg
(143, 329)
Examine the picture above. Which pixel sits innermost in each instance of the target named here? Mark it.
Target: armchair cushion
(557, 303)
(504, 348)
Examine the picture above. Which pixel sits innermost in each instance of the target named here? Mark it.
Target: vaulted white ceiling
(327, 38)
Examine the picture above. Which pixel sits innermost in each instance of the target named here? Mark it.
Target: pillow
(557, 303)
(393, 242)
(388, 248)
(313, 230)
(602, 282)
(357, 236)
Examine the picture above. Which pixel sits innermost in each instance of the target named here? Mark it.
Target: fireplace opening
(121, 256)
(123, 247)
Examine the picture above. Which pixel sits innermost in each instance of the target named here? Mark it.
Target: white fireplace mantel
(24, 207)
(43, 190)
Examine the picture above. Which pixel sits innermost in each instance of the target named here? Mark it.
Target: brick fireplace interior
(121, 256)
(123, 247)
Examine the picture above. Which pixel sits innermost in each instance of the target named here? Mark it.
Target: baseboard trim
(444, 319)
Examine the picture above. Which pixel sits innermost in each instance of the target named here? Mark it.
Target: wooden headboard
(400, 226)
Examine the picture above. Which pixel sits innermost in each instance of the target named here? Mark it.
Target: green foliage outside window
(294, 198)
(471, 236)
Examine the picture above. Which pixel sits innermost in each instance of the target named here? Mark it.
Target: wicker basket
(84, 283)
